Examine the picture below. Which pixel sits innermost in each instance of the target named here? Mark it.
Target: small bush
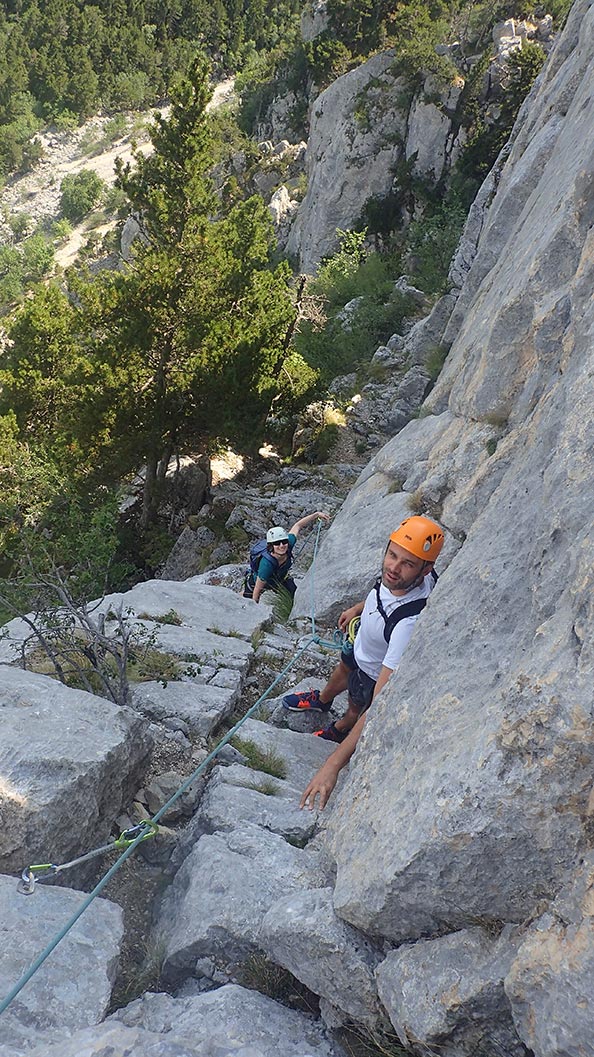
(79, 194)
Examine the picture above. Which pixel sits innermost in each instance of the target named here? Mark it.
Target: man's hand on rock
(321, 785)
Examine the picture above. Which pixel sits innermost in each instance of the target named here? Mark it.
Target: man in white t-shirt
(387, 618)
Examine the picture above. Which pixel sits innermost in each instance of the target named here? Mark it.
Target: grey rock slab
(72, 988)
(238, 794)
(203, 706)
(301, 754)
(116, 1040)
(230, 1021)
(346, 163)
(68, 763)
(215, 905)
(200, 646)
(549, 984)
(199, 605)
(302, 933)
(447, 994)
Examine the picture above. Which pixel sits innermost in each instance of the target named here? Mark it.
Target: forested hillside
(60, 60)
(203, 336)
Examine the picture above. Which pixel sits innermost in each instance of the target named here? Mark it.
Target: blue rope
(132, 847)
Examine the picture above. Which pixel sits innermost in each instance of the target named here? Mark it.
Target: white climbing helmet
(277, 535)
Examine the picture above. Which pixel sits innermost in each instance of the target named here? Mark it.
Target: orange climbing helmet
(420, 536)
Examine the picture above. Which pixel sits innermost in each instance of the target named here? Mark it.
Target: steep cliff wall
(468, 799)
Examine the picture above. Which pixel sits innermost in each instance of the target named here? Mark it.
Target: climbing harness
(149, 827)
(31, 875)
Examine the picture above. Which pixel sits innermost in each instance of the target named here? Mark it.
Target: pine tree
(186, 341)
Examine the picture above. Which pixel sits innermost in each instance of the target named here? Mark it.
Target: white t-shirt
(371, 650)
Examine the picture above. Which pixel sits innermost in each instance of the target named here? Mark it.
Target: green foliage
(38, 257)
(266, 760)
(336, 342)
(327, 58)
(487, 139)
(431, 241)
(61, 229)
(181, 348)
(282, 604)
(79, 194)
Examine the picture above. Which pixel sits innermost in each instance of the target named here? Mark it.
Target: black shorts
(360, 685)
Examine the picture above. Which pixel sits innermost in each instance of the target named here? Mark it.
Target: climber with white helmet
(270, 559)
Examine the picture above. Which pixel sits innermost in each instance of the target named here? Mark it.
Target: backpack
(257, 552)
(409, 609)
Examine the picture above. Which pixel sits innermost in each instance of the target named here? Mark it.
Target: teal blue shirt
(271, 571)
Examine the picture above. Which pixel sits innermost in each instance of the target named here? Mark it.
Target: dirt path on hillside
(37, 194)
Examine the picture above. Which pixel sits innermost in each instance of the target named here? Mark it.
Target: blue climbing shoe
(331, 734)
(306, 701)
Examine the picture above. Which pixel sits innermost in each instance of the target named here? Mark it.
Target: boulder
(446, 995)
(549, 984)
(203, 706)
(72, 988)
(214, 908)
(69, 762)
(237, 794)
(302, 933)
(229, 1020)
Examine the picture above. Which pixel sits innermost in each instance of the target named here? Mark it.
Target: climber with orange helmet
(387, 619)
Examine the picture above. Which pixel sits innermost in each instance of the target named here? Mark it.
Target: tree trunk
(148, 495)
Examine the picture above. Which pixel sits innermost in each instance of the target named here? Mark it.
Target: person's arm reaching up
(324, 780)
(307, 520)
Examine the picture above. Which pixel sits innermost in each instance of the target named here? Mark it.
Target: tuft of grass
(435, 360)
(260, 974)
(231, 634)
(416, 502)
(170, 617)
(364, 1042)
(267, 788)
(267, 760)
(396, 486)
(257, 637)
(491, 446)
(282, 604)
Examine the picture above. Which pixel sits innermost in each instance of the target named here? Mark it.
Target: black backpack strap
(409, 609)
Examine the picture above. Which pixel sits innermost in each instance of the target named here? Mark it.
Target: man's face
(400, 569)
(279, 550)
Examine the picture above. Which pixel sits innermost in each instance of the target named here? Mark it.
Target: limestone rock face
(447, 994)
(68, 761)
(356, 133)
(73, 987)
(230, 1020)
(550, 982)
(214, 908)
(302, 933)
(468, 794)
